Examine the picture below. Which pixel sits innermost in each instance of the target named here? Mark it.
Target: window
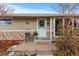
(48, 23)
(75, 23)
(42, 23)
(5, 21)
(58, 23)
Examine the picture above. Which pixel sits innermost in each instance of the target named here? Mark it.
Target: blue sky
(32, 7)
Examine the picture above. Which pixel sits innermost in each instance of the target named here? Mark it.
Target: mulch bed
(5, 44)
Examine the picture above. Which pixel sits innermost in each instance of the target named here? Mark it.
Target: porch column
(54, 27)
(63, 25)
(37, 25)
(45, 24)
(72, 24)
(51, 28)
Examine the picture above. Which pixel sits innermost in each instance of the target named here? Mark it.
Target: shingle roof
(45, 15)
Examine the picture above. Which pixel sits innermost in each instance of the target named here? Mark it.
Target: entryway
(41, 28)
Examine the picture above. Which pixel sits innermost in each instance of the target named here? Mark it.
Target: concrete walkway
(32, 46)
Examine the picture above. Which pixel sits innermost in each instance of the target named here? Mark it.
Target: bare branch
(4, 9)
(66, 8)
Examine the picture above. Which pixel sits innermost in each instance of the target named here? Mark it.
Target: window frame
(60, 22)
(6, 21)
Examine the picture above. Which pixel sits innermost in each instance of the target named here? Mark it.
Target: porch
(32, 49)
(13, 43)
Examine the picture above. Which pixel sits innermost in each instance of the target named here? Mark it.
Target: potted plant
(35, 34)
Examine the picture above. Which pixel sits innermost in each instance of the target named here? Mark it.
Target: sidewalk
(33, 46)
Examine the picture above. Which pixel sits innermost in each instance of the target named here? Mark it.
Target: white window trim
(5, 23)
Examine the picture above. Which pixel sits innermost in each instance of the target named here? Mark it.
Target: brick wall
(12, 35)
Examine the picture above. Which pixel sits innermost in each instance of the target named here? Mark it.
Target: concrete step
(42, 43)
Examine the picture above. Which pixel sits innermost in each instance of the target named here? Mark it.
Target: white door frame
(45, 23)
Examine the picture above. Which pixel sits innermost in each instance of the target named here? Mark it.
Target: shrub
(35, 34)
(68, 43)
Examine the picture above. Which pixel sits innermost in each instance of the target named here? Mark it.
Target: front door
(41, 28)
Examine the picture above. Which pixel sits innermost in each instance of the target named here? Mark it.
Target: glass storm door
(41, 28)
